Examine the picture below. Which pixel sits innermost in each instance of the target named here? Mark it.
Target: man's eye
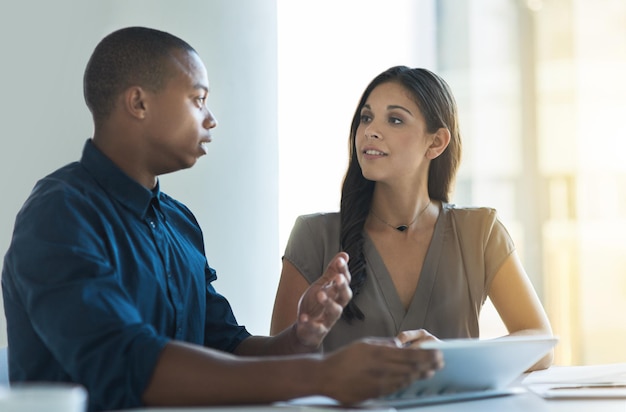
(201, 102)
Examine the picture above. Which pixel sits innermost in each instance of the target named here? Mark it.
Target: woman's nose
(371, 133)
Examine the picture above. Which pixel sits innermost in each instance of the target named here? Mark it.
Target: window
(540, 89)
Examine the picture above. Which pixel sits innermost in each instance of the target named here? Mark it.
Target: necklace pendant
(401, 228)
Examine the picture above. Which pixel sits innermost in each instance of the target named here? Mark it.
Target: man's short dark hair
(133, 56)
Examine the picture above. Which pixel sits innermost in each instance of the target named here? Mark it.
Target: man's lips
(204, 144)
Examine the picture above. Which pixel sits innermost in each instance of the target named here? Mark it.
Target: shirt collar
(116, 183)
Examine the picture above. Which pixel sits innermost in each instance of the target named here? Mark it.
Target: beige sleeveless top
(467, 248)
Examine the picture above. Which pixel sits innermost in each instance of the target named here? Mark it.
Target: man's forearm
(191, 375)
(285, 343)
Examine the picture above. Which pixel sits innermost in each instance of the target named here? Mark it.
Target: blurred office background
(540, 88)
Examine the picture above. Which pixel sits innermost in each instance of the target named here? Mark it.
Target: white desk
(522, 402)
(526, 402)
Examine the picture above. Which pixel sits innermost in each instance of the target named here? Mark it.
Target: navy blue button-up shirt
(101, 273)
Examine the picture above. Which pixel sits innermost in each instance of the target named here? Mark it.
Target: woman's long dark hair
(436, 102)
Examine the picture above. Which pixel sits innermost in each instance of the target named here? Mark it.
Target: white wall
(233, 191)
(328, 51)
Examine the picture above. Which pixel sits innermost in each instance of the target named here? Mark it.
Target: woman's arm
(515, 299)
(291, 287)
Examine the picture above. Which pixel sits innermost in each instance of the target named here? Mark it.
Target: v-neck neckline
(418, 307)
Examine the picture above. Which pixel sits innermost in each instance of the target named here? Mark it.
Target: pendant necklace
(402, 228)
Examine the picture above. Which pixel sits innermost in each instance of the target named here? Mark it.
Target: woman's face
(392, 139)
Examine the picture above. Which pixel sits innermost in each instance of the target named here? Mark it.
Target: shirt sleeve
(75, 300)
(222, 331)
(313, 242)
(498, 246)
(485, 244)
(220, 327)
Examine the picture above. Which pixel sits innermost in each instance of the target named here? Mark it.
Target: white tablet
(474, 368)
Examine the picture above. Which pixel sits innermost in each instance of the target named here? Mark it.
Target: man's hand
(322, 303)
(374, 367)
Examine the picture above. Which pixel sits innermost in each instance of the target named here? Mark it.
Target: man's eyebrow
(201, 86)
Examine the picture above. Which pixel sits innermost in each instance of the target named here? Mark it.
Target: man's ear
(439, 142)
(135, 102)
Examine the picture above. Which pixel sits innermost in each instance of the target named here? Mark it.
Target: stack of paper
(593, 381)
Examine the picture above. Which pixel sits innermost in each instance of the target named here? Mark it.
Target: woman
(421, 267)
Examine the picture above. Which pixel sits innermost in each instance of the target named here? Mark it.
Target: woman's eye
(365, 118)
(395, 120)
(201, 100)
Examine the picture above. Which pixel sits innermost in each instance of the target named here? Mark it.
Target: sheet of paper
(589, 381)
(323, 403)
(564, 391)
(604, 373)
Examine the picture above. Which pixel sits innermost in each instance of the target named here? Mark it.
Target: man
(106, 283)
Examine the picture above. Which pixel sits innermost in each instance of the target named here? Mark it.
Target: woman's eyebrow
(394, 106)
(390, 107)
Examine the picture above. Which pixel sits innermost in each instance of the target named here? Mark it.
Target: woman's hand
(414, 338)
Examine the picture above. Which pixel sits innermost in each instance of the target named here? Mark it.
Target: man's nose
(209, 121)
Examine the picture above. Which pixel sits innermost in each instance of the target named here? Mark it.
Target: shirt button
(152, 224)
